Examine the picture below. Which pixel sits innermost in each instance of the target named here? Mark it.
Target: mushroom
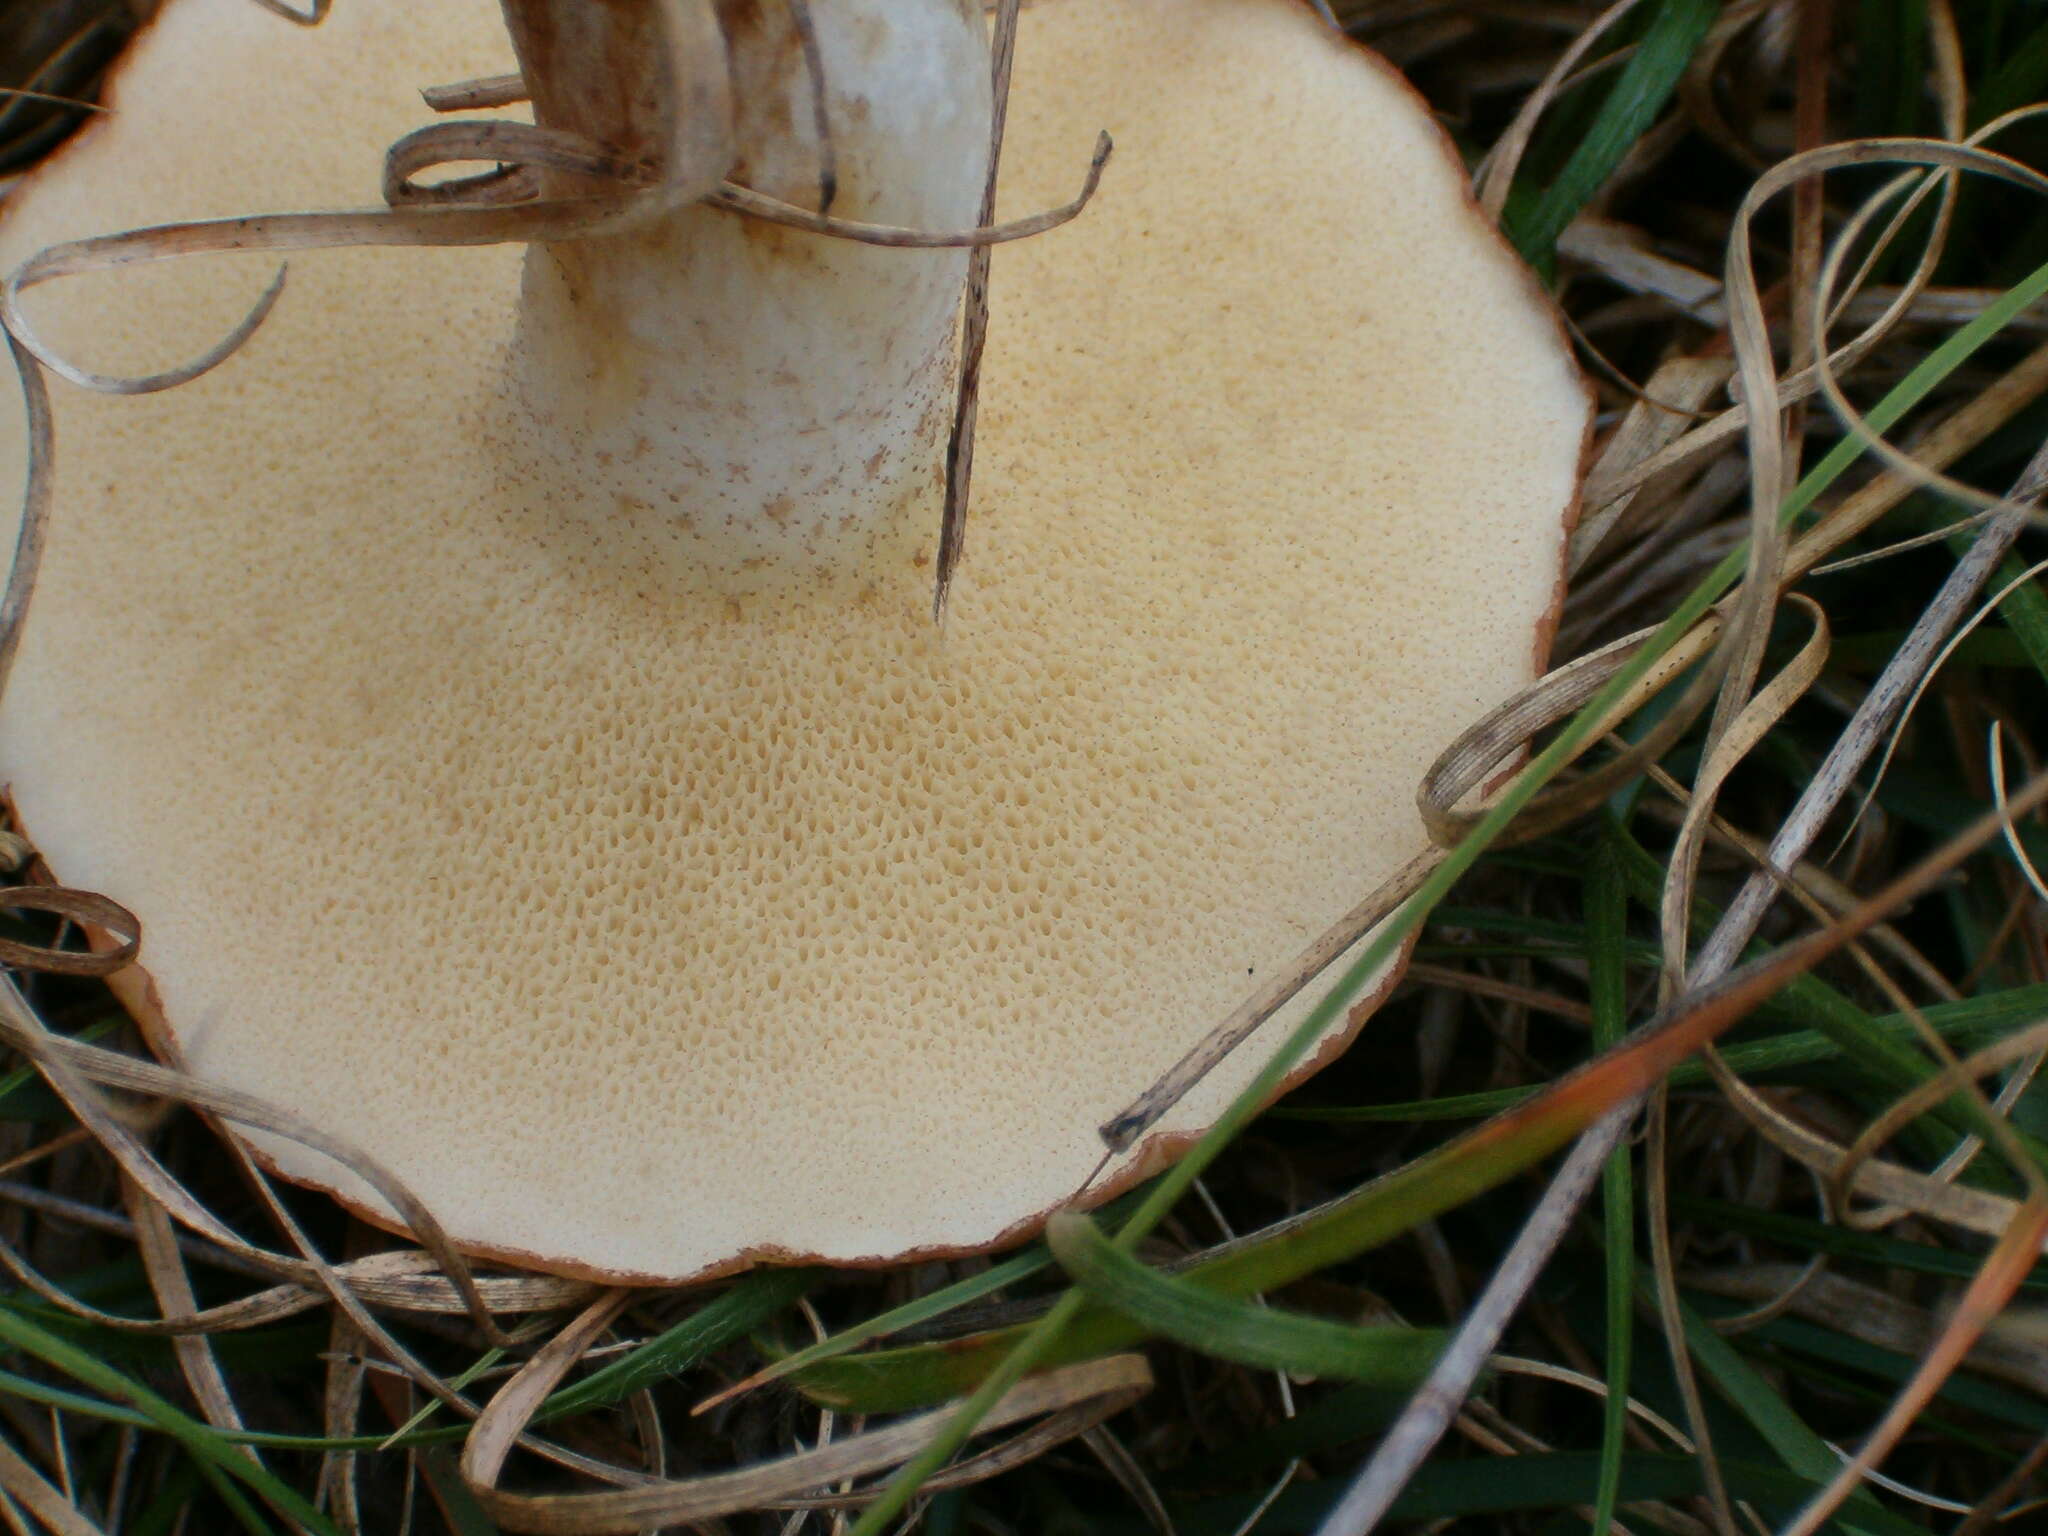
(507, 688)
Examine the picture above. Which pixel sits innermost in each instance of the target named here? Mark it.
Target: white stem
(759, 406)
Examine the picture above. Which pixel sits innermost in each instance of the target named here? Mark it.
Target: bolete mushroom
(508, 691)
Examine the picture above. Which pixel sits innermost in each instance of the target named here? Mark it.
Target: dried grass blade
(1671, 1313)
(73, 1069)
(42, 1498)
(483, 93)
(225, 1462)
(1950, 438)
(524, 151)
(402, 1280)
(758, 205)
(1724, 753)
(165, 1267)
(1815, 25)
(1122, 1131)
(351, 1305)
(1995, 754)
(340, 1415)
(2004, 1268)
(653, 78)
(2016, 300)
(1952, 158)
(76, 104)
(1831, 779)
(1954, 1074)
(1859, 1173)
(1104, 1386)
(1422, 1423)
(314, 13)
(35, 506)
(1873, 1315)
(1623, 256)
(1993, 1509)
(541, 219)
(1475, 758)
(974, 325)
(1497, 175)
(1696, 87)
(86, 908)
(1680, 384)
(2023, 582)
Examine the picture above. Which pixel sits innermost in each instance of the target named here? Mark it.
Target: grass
(1292, 1281)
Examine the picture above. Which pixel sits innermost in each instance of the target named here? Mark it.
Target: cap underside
(639, 930)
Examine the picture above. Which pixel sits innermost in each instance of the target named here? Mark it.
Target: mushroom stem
(760, 407)
(646, 79)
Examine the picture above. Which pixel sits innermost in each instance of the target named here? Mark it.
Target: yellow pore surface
(641, 930)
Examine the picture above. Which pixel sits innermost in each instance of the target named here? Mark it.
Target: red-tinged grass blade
(1607, 938)
(1970, 1021)
(2015, 1253)
(1481, 1159)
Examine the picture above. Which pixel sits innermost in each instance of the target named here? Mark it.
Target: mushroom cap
(648, 931)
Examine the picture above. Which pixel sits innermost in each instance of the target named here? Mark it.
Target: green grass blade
(1474, 1162)
(467, 1516)
(1839, 1241)
(426, 1411)
(1508, 1485)
(2025, 611)
(1533, 222)
(1969, 1023)
(1891, 65)
(1895, 1062)
(1230, 1329)
(214, 1452)
(752, 1301)
(922, 1310)
(1802, 1451)
(167, 1510)
(1994, 648)
(1607, 936)
(71, 1402)
(1996, 1403)
(2020, 78)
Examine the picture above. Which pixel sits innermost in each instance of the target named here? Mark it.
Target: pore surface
(641, 929)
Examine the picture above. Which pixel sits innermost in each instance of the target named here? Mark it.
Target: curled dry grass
(1802, 1298)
